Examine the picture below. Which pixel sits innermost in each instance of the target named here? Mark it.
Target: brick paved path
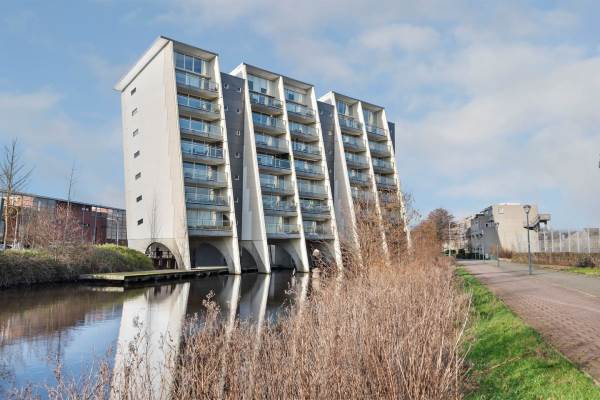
(563, 307)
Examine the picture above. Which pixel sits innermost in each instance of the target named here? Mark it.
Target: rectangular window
(295, 96)
(132, 91)
(140, 221)
(192, 64)
(134, 111)
(138, 199)
(136, 154)
(135, 133)
(138, 175)
(343, 108)
(257, 84)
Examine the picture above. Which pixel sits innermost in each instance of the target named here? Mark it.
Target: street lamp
(498, 243)
(527, 209)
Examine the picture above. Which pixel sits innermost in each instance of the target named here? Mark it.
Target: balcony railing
(349, 122)
(205, 199)
(200, 128)
(376, 130)
(306, 131)
(215, 177)
(362, 195)
(265, 100)
(305, 148)
(353, 142)
(273, 162)
(279, 187)
(279, 205)
(300, 109)
(210, 225)
(289, 229)
(359, 178)
(379, 148)
(315, 170)
(314, 208)
(357, 160)
(272, 142)
(268, 122)
(378, 162)
(197, 104)
(384, 181)
(203, 151)
(311, 189)
(195, 81)
(311, 230)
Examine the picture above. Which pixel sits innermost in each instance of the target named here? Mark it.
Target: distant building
(458, 239)
(504, 225)
(98, 224)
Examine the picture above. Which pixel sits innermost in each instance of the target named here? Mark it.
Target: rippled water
(74, 325)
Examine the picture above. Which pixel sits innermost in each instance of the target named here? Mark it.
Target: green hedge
(28, 267)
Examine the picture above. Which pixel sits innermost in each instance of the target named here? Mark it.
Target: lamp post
(527, 209)
(497, 244)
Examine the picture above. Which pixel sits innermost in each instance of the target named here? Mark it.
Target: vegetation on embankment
(28, 267)
(509, 360)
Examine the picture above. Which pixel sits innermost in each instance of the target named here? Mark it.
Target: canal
(76, 325)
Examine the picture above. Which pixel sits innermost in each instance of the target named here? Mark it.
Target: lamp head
(527, 208)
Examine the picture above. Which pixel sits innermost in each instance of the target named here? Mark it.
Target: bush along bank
(580, 260)
(29, 267)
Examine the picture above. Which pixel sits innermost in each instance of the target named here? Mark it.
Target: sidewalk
(563, 307)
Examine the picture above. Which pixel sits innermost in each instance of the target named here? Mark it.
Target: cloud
(400, 36)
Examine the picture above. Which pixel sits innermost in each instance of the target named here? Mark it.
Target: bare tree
(14, 176)
(72, 180)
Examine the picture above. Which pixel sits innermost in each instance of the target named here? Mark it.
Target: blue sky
(497, 102)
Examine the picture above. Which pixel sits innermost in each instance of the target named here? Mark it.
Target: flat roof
(63, 200)
(293, 81)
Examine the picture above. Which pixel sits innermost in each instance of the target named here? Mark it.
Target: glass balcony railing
(376, 130)
(198, 176)
(349, 122)
(272, 142)
(307, 131)
(379, 148)
(205, 199)
(359, 178)
(312, 230)
(265, 100)
(202, 151)
(277, 187)
(199, 128)
(362, 195)
(197, 104)
(279, 205)
(357, 159)
(350, 141)
(273, 162)
(195, 81)
(311, 189)
(265, 121)
(210, 224)
(305, 148)
(300, 109)
(309, 169)
(384, 180)
(289, 229)
(314, 208)
(378, 162)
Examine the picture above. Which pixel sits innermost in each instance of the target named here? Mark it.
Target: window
(343, 108)
(369, 117)
(136, 154)
(237, 154)
(138, 199)
(135, 133)
(257, 84)
(239, 89)
(238, 132)
(226, 108)
(140, 221)
(192, 64)
(134, 111)
(132, 91)
(237, 177)
(138, 176)
(226, 85)
(295, 96)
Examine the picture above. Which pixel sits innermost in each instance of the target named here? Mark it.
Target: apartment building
(246, 169)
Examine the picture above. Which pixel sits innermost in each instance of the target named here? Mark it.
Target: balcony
(210, 155)
(356, 161)
(363, 196)
(388, 198)
(306, 132)
(309, 171)
(265, 103)
(271, 144)
(279, 166)
(282, 188)
(385, 182)
(376, 133)
(285, 208)
(359, 179)
(283, 231)
(205, 201)
(350, 125)
(193, 129)
(379, 149)
(306, 151)
(317, 232)
(209, 227)
(354, 144)
(312, 191)
(382, 166)
(193, 107)
(267, 123)
(190, 83)
(319, 212)
(203, 179)
(300, 112)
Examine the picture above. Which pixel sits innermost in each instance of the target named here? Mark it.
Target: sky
(494, 101)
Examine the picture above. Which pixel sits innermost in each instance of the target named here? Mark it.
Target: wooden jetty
(127, 278)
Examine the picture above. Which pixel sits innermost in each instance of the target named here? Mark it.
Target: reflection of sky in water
(79, 325)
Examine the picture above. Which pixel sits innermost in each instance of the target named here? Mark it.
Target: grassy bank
(584, 271)
(510, 360)
(29, 267)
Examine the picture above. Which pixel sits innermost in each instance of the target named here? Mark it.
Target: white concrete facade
(279, 206)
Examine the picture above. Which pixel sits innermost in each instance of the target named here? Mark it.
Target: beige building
(504, 225)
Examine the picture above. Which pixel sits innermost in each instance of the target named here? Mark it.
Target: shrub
(585, 262)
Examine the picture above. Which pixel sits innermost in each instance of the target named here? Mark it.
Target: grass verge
(584, 271)
(510, 360)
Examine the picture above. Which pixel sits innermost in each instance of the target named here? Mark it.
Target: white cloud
(400, 36)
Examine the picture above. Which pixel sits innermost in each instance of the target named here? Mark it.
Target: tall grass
(380, 329)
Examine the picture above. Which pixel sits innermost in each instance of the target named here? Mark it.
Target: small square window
(140, 221)
(239, 89)
(134, 111)
(226, 108)
(237, 199)
(133, 91)
(138, 199)
(236, 178)
(237, 154)
(135, 133)
(238, 132)
(136, 154)
(138, 175)
(226, 86)
(238, 110)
